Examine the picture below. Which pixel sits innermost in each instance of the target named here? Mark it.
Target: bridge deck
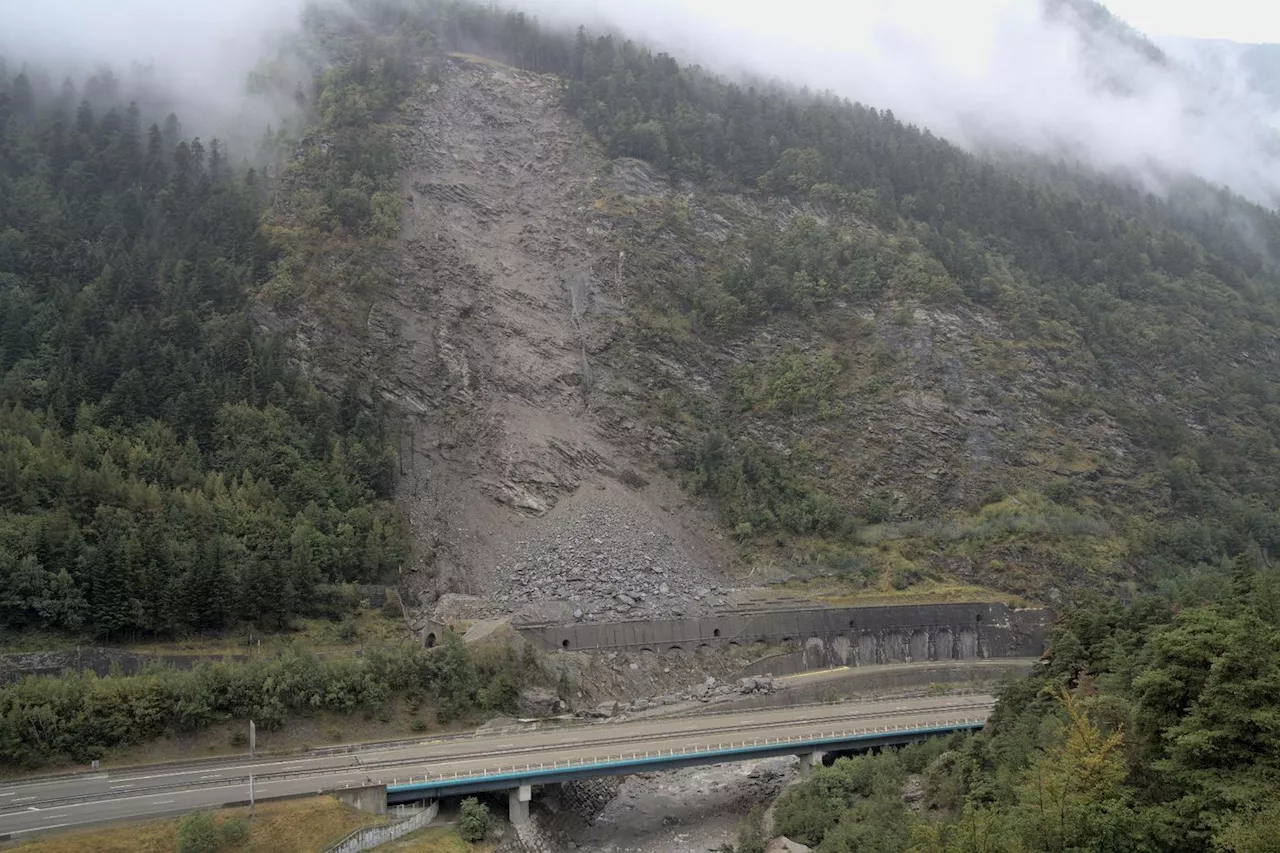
(505, 776)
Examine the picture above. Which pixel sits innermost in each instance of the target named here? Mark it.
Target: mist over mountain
(193, 58)
(1256, 67)
(1062, 78)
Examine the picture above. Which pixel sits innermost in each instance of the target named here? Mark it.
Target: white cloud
(201, 51)
(1237, 20)
(978, 72)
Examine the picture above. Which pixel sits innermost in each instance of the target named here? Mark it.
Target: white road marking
(8, 793)
(40, 828)
(213, 776)
(161, 802)
(118, 787)
(23, 799)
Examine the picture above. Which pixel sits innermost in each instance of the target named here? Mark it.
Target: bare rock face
(538, 702)
(489, 347)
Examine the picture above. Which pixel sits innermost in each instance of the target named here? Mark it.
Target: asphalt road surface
(40, 805)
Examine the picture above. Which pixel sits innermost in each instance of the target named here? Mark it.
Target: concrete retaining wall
(855, 636)
(366, 798)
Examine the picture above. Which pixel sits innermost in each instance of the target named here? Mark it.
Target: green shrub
(81, 715)
(473, 822)
(875, 511)
(199, 832)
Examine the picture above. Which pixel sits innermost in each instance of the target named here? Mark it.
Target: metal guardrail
(673, 753)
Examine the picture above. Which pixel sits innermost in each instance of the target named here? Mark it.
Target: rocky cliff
(551, 394)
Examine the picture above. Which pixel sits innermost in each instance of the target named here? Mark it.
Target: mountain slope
(882, 362)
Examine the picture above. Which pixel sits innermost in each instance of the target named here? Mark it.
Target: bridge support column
(518, 805)
(808, 761)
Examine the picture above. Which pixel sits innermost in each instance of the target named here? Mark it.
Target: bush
(199, 833)
(83, 715)
(473, 823)
(875, 511)
(751, 839)
(807, 812)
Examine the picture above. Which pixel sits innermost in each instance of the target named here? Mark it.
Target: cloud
(982, 73)
(199, 52)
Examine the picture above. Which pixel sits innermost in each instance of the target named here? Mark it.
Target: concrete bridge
(820, 637)
(666, 744)
(518, 760)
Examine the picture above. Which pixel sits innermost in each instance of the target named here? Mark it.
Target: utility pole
(253, 737)
(251, 810)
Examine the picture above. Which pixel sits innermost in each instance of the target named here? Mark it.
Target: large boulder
(782, 844)
(539, 702)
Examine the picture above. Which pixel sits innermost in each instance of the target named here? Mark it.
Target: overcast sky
(977, 71)
(1236, 20)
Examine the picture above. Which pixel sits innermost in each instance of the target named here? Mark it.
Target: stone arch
(842, 649)
(431, 639)
(815, 653)
(895, 647)
(564, 644)
(866, 648)
(944, 644)
(918, 645)
(675, 648)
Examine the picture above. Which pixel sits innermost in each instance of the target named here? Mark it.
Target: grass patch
(839, 594)
(323, 636)
(292, 826)
(433, 839)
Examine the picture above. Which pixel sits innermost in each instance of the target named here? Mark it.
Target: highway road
(40, 805)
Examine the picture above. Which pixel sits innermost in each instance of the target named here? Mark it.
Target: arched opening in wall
(564, 644)
(853, 624)
(716, 632)
(675, 649)
(431, 640)
(733, 645)
(704, 649)
(786, 641)
(977, 618)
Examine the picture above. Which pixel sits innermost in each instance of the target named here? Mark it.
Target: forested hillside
(1147, 728)
(162, 469)
(1102, 411)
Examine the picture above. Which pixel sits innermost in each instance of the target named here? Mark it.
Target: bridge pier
(518, 805)
(810, 760)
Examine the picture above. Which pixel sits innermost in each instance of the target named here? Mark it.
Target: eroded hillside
(622, 393)
(488, 343)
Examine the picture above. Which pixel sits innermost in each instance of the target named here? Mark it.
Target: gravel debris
(608, 563)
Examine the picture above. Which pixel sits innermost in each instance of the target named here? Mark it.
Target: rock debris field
(606, 563)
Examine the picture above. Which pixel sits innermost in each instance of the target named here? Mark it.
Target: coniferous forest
(163, 469)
